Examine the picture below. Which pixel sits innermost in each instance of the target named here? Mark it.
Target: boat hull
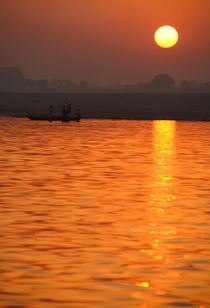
(54, 118)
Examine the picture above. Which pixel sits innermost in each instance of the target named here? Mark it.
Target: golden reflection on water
(103, 214)
(164, 133)
(163, 192)
(165, 233)
(164, 155)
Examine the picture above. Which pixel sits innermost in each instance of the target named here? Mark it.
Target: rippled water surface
(104, 213)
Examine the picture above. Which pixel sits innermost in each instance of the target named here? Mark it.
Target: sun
(166, 36)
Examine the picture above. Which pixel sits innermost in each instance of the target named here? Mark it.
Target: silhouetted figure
(65, 109)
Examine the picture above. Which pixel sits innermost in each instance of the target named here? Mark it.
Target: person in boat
(65, 110)
(51, 110)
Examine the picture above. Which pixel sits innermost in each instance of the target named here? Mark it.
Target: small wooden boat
(40, 117)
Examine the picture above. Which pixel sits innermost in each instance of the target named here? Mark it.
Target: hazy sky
(104, 41)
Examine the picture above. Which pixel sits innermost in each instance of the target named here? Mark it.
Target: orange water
(104, 213)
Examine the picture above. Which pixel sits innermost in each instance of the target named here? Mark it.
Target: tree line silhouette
(13, 80)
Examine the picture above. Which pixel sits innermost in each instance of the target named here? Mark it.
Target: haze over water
(104, 213)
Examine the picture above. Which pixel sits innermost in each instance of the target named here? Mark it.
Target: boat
(49, 118)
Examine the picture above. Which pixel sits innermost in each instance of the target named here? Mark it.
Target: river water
(104, 213)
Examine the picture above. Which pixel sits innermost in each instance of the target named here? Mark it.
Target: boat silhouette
(51, 118)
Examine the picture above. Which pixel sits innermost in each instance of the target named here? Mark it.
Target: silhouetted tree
(42, 84)
(62, 85)
(206, 87)
(185, 86)
(11, 77)
(162, 82)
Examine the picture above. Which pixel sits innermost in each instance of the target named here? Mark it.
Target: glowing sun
(166, 36)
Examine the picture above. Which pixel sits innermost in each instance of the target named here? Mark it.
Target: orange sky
(105, 41)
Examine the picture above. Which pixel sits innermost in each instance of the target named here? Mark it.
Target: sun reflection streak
(164, 153)
(163, 187)
(162, 195)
